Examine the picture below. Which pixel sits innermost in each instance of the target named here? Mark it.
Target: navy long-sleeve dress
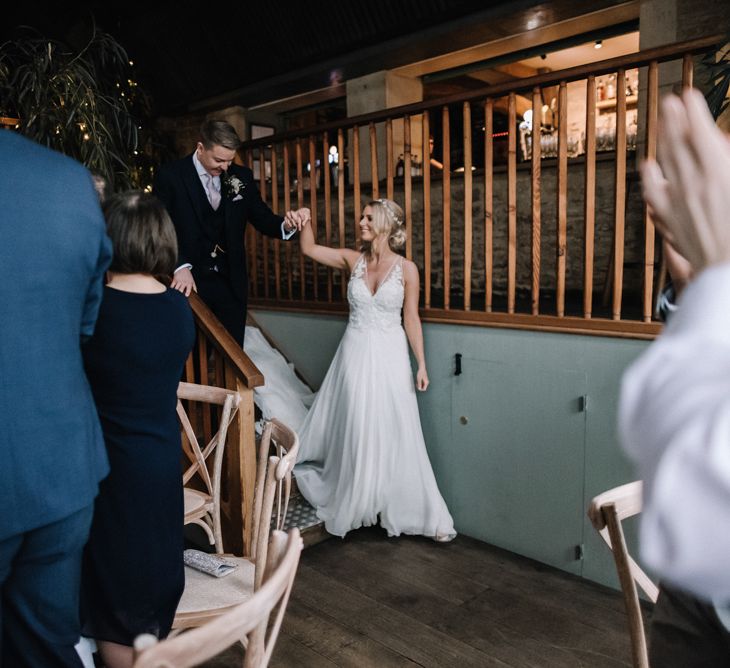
(133, 573)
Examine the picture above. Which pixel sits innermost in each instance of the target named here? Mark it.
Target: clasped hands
(296, 220)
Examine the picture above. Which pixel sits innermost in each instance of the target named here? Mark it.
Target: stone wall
(604, 226)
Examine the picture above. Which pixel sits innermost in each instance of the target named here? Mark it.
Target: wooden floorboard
(372, 601)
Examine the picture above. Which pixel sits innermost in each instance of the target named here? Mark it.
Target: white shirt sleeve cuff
(187, 265)
(287, 235)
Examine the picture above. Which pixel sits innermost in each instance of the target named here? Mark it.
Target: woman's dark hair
(142, 234)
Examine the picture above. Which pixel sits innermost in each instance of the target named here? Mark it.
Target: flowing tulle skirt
(362, 455)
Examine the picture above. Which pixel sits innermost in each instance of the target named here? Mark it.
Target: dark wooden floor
(369, 600)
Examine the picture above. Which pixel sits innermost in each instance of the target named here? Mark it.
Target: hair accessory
(389, 208)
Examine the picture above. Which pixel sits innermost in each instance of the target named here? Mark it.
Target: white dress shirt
(674, 422)
(216, 182)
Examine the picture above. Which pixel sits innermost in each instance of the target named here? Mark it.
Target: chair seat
(195, 501)
(208, 596)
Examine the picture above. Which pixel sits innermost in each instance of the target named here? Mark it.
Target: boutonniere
(233, 186)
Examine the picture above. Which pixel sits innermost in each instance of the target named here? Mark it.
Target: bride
(362, 456)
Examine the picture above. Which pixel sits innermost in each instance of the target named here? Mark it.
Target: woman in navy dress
(133, 573)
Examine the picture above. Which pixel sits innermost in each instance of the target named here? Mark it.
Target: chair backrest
(607, 511)
(273, 486)
(207, 407)
(246, 623)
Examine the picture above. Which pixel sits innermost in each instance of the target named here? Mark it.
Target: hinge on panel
(583, 403)
(579, 552)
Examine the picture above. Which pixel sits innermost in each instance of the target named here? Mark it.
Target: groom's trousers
(216, 291)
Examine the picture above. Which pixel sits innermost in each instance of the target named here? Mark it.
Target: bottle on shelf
(611, 88)
(400, 167)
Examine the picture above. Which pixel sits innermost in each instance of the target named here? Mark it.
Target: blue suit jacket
(53, 255)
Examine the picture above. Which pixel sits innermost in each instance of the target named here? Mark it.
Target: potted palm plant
(82, 102)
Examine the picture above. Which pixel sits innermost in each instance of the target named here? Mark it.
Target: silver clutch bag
(208, 563)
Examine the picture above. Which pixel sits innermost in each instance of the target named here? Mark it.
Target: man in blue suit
(53, 253)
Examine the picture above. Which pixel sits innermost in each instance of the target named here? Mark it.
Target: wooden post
(446, 199)
(341, 205)
(389, 158)
(275, 209)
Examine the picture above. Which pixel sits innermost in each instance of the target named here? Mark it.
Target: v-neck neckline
(382, 282)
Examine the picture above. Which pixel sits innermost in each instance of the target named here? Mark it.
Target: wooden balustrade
(218, 360)
(548, 238)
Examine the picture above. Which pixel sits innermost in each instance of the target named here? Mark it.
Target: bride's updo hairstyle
(388, 220)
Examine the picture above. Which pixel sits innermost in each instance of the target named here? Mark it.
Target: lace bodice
(381, 310)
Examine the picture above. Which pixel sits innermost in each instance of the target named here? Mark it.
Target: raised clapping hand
(297, 219)
(688, 187)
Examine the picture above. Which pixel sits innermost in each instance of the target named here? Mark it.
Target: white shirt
(203, 175)
(674, 422)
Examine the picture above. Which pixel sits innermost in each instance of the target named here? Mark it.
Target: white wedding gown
(362, 455)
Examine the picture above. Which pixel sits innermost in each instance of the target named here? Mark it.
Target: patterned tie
(214, 197)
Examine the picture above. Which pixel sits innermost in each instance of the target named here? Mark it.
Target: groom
(210, 201)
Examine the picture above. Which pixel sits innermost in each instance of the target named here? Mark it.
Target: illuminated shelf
(611, 104)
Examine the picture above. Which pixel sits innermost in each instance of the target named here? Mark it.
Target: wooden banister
(218, 360)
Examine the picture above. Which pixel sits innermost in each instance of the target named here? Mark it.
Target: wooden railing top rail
(638, 59)
(225, 344)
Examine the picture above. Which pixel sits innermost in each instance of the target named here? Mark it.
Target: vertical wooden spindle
(389, 159)
(275, 209)
(327, 206)
(589, 209)
(687, 71)
(300, 204)
(287, 207)
(446, 199)
(467, 205)
(488, 203)
(313, 208)
(426, 212)
(536, 176)
(264, 239)
(356, 202)
(407, 185)
(562, 222)
(341, 205)
(374, 160)
(652, 115)
(620, 196)
(252, 243)
(511, 202)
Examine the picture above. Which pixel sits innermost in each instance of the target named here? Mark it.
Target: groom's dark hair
(219, 133)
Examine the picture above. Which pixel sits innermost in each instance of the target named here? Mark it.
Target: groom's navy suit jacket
(178, 186)
(53, 254)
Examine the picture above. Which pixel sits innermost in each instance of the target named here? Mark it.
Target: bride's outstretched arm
(412, 321)
(338, 258)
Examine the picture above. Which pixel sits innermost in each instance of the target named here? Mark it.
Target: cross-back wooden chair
(206, 597)
(606, 512)
(246, 623)
(202, 507)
